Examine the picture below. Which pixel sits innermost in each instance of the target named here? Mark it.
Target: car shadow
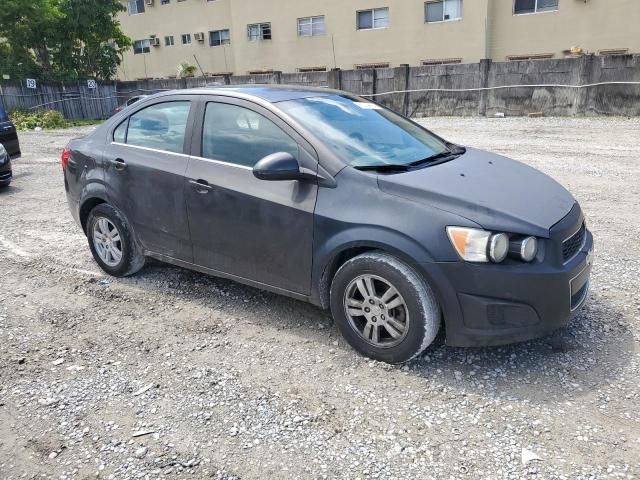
(9, 190)
(595, 347)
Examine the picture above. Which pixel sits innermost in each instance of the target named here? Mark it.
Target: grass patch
(45, 119)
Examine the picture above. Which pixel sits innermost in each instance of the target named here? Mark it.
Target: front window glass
(161, 126)
(363, 133)
(241, 136)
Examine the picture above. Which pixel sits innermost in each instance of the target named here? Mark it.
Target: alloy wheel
(376, 311)
(107, 241)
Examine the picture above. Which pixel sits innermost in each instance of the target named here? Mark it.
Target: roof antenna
(199, 66)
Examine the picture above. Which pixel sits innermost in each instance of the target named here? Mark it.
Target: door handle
(119, 164)
(201, 186)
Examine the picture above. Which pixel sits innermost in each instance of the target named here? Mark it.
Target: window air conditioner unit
(149, 2)
(199, 36)
(155, 41)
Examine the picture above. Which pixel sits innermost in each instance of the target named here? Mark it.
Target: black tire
(132, 259)
(419, 300)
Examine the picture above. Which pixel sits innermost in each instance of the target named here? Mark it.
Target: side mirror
(281, 166)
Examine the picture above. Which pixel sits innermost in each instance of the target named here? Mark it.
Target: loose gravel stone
(174, 374)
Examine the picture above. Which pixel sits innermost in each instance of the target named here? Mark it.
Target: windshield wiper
(435, 159)
(432, 160)
(384, 168)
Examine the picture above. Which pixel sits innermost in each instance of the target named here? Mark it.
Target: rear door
(144, 174)
(249, 228)
(8, 134)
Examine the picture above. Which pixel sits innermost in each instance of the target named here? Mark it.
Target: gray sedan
(333, 199)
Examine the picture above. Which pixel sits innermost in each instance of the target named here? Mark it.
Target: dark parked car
(5, 168)
(129, 102)
(9, 146)
(336, 200)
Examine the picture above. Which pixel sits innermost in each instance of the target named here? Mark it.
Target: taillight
(64, 159)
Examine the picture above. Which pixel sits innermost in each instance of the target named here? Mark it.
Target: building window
(259, 31)
(535, 56)
(186, 38)
(311, 69)
(169, 41)
(441, 61)
(141, 46)
(219, 37)
(311, 26)
(261, 72)
(521, 7)
(442, 10)
(368, 66)
(136, 6)
(371, 19)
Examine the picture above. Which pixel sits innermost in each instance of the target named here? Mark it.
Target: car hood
(493, 191)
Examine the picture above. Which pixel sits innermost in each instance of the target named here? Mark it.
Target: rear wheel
(384, 309)
(112, 242)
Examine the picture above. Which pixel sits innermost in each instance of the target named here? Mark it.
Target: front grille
(572, 245)
(5, 176)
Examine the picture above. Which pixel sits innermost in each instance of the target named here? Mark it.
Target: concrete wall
(457, 87)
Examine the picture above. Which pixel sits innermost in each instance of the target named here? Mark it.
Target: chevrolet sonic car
(333, 199)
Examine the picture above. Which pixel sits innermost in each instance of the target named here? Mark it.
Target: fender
(353, 241)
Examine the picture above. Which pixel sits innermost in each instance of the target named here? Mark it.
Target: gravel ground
(175, 374)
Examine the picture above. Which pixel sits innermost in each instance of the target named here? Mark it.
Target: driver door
(253, 229)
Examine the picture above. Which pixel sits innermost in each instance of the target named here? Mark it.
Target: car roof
(268, 93)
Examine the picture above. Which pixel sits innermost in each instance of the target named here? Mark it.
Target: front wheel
(383, 308)
(112, 242)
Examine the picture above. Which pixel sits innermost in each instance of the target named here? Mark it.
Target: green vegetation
(61, 39)
(186, 70)
(45, 119)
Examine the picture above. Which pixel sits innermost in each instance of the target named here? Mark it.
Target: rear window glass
(161, 126)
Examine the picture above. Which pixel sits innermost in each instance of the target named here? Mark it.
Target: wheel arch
(397, 245)
(87, 205)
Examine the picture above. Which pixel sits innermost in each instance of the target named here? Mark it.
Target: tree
(62, 39)
(186, 70)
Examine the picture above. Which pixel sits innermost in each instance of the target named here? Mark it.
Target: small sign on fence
(31, 83)
(91, 84)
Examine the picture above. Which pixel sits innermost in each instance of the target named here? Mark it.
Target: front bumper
(486, 304)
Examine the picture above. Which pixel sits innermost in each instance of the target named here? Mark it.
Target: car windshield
(362, 133)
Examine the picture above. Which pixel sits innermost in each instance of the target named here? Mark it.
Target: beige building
(251, 36)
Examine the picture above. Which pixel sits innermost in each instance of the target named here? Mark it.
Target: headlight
(474, 245)
(524, 249)
(4, 156)
(498, 247)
